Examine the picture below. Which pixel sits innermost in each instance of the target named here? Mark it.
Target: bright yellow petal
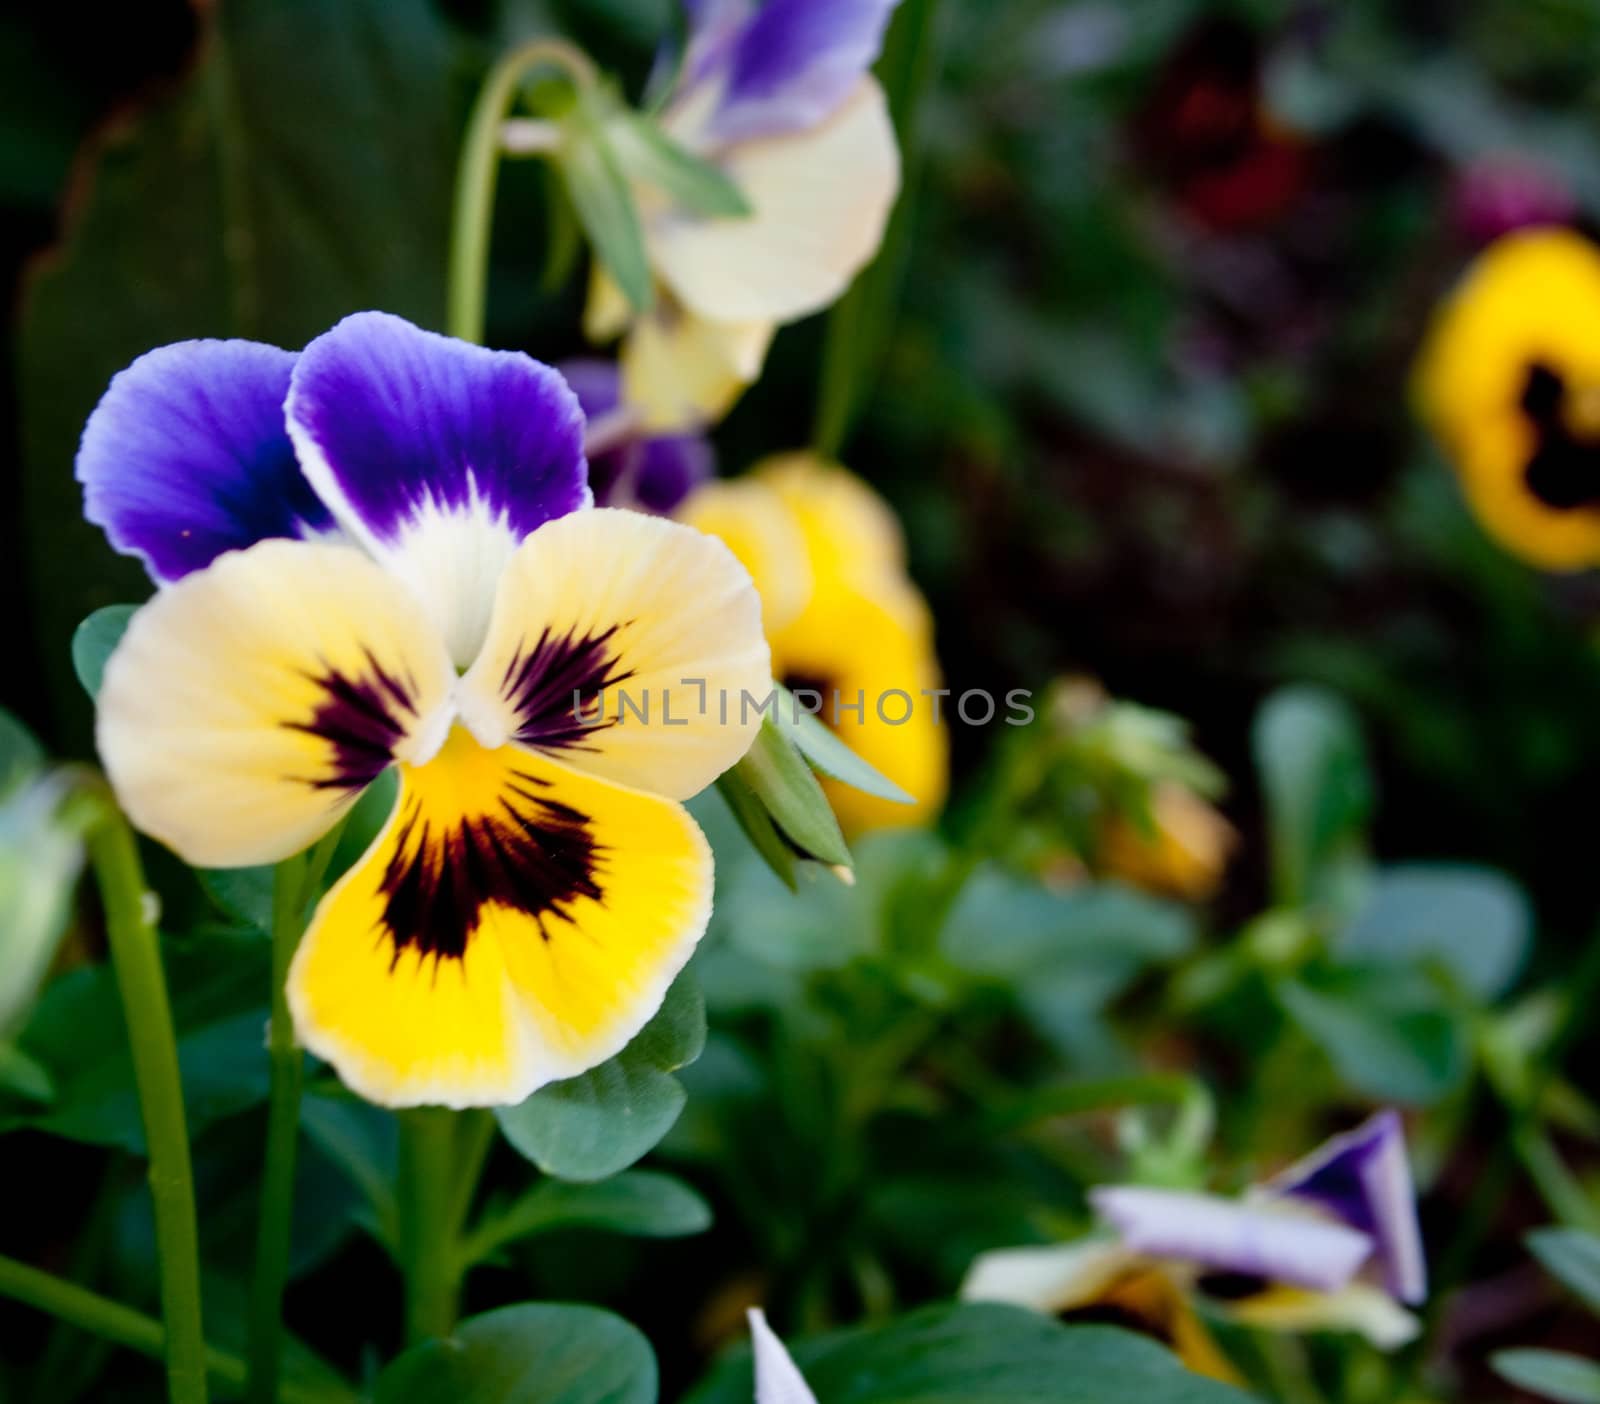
(852, 536)
(646, 625)
(249, 704)
(681, 371)
(820, 198)
(757, 525)
(1492, 462)
(1532, 296)
(875, 652)
(516, 922)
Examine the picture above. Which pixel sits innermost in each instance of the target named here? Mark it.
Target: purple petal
(669, 469)
(186, 456)
(438, 456)
(714, 27)
(794, 63)
(1226, 1235)
(1363, 1178)
(596, 383)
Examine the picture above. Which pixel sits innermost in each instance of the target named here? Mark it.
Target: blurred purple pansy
(1346, 1207)
(628, 466)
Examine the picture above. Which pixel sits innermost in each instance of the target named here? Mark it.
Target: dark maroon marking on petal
(541, 683)
(362, 718)
(535, 855)
(1564, 471)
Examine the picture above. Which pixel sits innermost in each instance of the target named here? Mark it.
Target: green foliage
(1552, 1374)
(598, 189)
(1314, 773)
(544, 1354)
(219, 210)
(94, 641)
(776, 773)
(649, 156)
(642, 1203)
(591, 1126)
(1573, 1257)
(982, 1354)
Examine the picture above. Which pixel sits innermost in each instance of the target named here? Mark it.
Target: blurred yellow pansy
(1509, 383)
(844, 621)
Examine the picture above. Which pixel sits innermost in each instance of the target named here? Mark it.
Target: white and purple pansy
(382, 553)
(628, 466)
(781, 98)
(1332, 1243)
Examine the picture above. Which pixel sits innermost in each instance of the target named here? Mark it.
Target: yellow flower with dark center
(1509, 383)
(849, 631)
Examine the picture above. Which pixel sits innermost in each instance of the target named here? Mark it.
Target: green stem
(122, 1325)
(473, 219)
(429, 1194)
(276, 1219)
(136, 956)
(1566, 1199)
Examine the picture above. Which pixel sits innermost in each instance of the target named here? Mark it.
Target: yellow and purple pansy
(779, 96)
(381, 553)
(1330, 1244)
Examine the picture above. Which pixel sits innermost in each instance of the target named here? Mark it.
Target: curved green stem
(136, 956)
(479, 170)
(122, 1325)
(274, 1225)
(429, 1193)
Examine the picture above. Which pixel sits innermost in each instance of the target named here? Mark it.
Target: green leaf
(1313, 766)
(21, 755)
(219, 984)
(642, 1203)
(603, 201)
(24, 1077)
(757, 826)
(1473, 921)
(94, 640)
(1552, 1373)
(364, 1142)
(779, 777)
(829, 754)
(220, 210)
(648, 156)
(539, 1353)
(41, 855)
(594, 1125)
(860, 325)
(1573, 1257)
(981, 1354)
(1386, 1031)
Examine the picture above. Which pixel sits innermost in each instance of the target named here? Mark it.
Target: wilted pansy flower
(779, 96)
(632, 467)
(778, 1378)
(380, 553)
(1331, 1244)
(1506, 191)
(1184, 853)
(846, 625)
(1509, 383)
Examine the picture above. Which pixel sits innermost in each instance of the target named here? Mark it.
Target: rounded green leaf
(1556, 1375)
(592, 1126)
(539, 1353)
(94, 640)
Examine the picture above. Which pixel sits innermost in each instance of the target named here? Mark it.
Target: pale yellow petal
(681, 371)
(250, 703)
(758, 526)
(624, 645)
(821, 198)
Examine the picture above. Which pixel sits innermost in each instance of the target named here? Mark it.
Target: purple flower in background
(1331, 1243)
(1348, 1206)
(627, 466)
(1498, 194)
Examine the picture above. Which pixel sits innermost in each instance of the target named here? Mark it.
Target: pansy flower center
(1564, 469)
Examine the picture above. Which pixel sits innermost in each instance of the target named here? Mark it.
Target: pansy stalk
(1330, 1244)
(381, 554)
